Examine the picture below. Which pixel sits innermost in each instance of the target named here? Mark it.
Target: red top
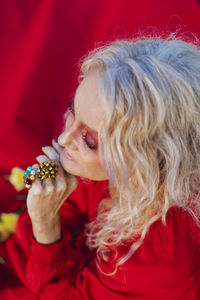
(166, 266)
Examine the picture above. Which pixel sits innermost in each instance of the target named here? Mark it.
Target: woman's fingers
(51, 153)
(35, 167)
(42, 158)
(48, 185)
(36, 187)
(60, 183)
(58, 148)
(65, 185)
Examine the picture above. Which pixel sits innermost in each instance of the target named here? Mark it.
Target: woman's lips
(67, 155)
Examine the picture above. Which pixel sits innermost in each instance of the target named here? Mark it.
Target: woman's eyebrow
(82, 123)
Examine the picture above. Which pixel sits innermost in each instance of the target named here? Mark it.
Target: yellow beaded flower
(7, 225)
(16, 178)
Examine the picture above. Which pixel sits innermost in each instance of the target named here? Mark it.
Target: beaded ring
(47, 169)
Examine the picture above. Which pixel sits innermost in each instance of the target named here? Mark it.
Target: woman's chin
(66, 168)
(69, 170)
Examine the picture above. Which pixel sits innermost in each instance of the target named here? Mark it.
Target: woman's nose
(68, 138)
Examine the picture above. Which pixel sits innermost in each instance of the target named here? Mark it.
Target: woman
(130, 230)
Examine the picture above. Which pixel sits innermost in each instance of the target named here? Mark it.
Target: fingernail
(55, 139)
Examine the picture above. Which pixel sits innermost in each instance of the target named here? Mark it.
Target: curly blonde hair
(149, 141)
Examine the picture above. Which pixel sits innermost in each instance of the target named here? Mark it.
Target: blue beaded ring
(29, 176)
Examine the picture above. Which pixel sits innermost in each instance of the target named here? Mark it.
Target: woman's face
(80, 136)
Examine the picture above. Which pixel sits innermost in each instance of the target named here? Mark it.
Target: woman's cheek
(88, 155)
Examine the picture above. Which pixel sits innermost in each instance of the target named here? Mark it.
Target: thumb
(72, 183)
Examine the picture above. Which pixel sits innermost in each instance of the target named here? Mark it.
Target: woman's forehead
(88, 104)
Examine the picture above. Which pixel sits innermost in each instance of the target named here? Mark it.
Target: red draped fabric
(41, 43)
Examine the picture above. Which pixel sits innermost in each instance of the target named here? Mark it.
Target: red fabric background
(41, 42)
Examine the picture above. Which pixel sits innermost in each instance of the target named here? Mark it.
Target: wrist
(47, 233)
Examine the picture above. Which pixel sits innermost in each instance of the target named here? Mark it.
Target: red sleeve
(25, 258)
(52, 263)
(165, 267)
(61, 259)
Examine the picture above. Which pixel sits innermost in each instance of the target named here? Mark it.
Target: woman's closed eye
(89, 140)
(86, 136)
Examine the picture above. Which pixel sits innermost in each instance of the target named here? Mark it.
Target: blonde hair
(149, 141)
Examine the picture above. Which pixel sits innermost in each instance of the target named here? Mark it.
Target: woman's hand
(45, 198)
